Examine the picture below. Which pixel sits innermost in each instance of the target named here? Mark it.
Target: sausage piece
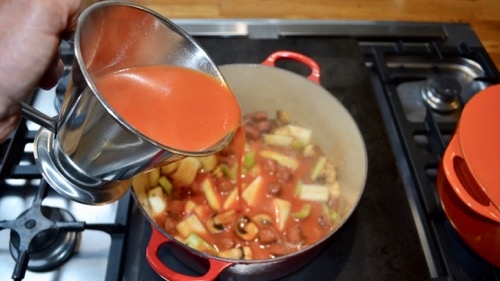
(265, 126)
(278, 249)
(252, 132)
(295, 235)
(170, 224)
(274, 189)
(176, 208)
(258, 116)
(270, 165)
(268, 235)
(224, 185)
(284, 174)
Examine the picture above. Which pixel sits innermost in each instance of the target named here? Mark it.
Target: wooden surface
(483, 15)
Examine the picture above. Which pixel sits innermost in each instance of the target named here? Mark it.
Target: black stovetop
(379, 241)
(398, 231)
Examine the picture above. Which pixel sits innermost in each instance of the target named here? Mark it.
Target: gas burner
(49, 248)
(42, 237)
(441, 94)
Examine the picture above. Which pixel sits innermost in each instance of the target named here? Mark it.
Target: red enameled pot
(469, 175)
(263, 87)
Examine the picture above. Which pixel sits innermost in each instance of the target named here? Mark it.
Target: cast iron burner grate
(43, 238)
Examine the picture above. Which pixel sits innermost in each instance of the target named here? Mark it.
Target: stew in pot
(289, 197)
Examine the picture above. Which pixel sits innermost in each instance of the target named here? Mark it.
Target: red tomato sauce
(178, 107)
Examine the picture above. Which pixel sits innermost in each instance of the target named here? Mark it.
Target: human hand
(30, 34)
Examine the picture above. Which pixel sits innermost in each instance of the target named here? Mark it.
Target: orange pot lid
(479, 134)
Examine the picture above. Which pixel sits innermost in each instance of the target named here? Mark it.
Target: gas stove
(404, 84)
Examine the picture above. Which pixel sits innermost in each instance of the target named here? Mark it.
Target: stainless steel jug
(88, 153)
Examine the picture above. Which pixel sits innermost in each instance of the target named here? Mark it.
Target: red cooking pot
(263, 87)
(469, 175)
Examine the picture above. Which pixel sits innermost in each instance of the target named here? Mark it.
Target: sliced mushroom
(214, 227)
(218, 222)
(234, 253)
(237, 253)
(245, 228)
(283, 117)
(225, 217)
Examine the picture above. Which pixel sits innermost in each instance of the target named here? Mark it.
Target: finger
(52, 74)
(8, 125)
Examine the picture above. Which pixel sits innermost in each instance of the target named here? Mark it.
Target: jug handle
(453, 151)
(39, 117)
(158, 239)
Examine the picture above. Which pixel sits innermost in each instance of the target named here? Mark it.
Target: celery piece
(318, 167)
(170, 168)
(189, 225)
(157, 200)
(203, 212)
(250, 194)
(300, 133)
(154, 175)
(230, 173)
(298, 188)
(334, 215)
(189, 207)
(209, 191)
(314, 192)
(231, 200)
(249, 159)
(304, 212)
(278, 140)
(281, 159)
(208, 163)
(196, 242)
(186, 171)
(298, 145)
(244, 170)
(329, 213)
(140, 185)
(282, 210)
(166, 184)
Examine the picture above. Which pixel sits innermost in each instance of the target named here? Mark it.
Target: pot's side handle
(315, 70)
(478, 202)
(158, 239)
